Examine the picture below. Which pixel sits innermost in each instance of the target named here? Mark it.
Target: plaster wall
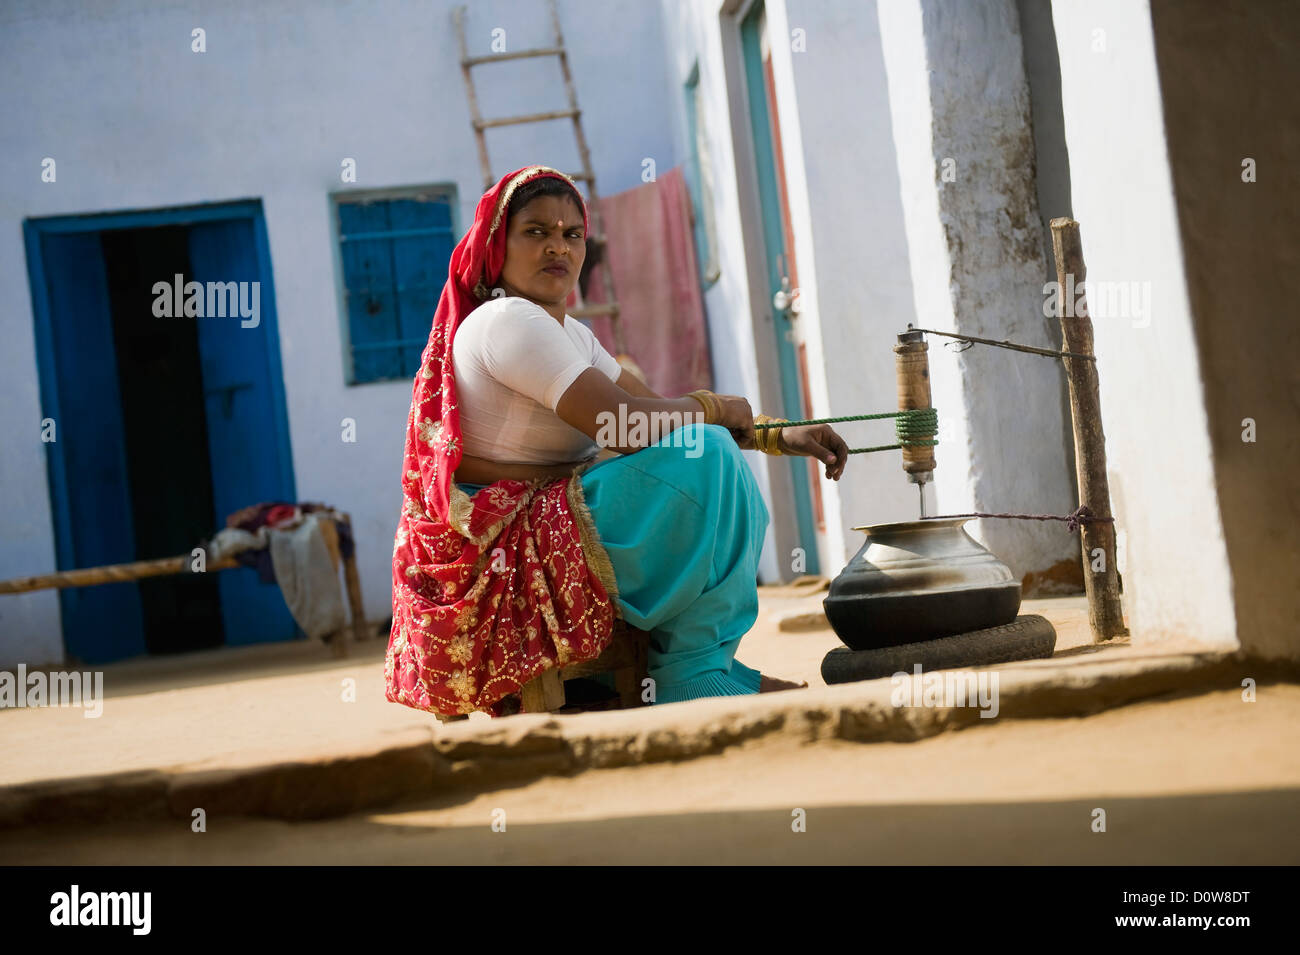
(1227, 75)
(1169, 526)
(961, 118)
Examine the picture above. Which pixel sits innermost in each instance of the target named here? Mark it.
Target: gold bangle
(768, 440)
(709, 402)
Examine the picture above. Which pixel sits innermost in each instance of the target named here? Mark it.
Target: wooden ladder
(610, 305)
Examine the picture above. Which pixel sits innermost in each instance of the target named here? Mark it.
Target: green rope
(909, 425)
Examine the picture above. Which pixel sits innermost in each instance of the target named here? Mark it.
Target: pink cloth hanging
(651, 255)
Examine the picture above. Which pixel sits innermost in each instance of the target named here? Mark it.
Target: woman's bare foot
(770, 684)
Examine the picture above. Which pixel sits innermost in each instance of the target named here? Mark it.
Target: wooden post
(353, 580)
(627, 680)
(1104, 612)
(543, 694)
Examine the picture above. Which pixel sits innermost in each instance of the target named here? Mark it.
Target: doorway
(781, 270)
(164, 424)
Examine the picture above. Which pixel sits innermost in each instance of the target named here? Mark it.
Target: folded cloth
(249, 548)
(232, 541)
(283, 515)
(252, 517)
(272, 514)
(255, 519)
(305, 559)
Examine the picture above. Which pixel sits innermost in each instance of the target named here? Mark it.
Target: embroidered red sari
(492, 591)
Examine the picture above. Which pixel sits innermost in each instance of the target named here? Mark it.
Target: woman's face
(545, 248)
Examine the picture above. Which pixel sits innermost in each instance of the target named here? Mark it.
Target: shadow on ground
(1245, 828)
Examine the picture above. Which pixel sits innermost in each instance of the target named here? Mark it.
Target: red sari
(492, 591)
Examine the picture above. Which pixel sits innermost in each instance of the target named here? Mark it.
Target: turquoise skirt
(683, 523)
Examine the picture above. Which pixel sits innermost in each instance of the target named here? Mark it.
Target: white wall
(861, 123)
(1176, 575)
(958, 93)
(851, 247)
(848, 234)
(136, 120)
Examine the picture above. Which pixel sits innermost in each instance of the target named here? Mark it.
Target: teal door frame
(760, 123)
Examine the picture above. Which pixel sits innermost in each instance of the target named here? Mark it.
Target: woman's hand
(817, 441)
(738, 418)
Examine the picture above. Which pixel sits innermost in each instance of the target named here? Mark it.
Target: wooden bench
(183, 565)
(625, 657)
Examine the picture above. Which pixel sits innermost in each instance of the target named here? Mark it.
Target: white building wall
(285, 92)
(861, 123)
(850, 245)
(1177, 578)
(960, 104)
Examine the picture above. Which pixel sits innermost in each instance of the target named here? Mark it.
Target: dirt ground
(1206, 779)
(274, 702)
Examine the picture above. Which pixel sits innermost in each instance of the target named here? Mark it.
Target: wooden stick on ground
(111, 574)
(1104, 612)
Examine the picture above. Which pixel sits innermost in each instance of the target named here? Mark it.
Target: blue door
(242, 414)
(86, 461)
(241, 376)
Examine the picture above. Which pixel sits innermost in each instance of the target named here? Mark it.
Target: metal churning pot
(919, 580)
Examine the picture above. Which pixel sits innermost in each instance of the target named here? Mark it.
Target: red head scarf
(488, 592)
(475, 267)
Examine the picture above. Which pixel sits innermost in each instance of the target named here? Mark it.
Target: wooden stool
(625, 656)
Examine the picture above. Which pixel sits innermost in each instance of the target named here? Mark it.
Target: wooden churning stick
(912, 367)
(1102, 585)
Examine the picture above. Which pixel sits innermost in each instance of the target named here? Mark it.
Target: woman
(515, 549)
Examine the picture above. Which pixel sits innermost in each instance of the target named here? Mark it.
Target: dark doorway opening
(165, 435)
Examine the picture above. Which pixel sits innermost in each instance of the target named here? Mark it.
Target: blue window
(394, 249)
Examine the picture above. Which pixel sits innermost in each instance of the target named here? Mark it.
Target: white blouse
(513, 361)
